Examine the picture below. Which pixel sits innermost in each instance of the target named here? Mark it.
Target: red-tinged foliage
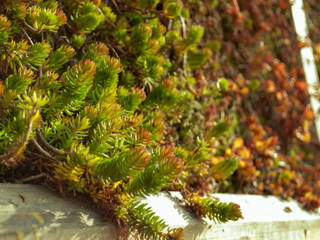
(266, 104)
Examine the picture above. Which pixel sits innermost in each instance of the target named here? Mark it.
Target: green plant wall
(116, 100)
(89, 91)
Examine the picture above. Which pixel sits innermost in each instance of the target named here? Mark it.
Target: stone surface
(46, 216)
(265, 218)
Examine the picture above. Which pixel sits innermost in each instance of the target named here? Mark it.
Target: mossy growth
(88, 92)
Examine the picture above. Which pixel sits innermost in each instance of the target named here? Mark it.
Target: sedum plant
(88, 92)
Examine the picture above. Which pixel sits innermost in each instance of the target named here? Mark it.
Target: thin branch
(184, 34)
(30, 28)
(8, 158)
(170, 25)
(25, 33)
(236, 5)
(107, 20)
(48, 146)
(111, 23)
(116, 6)
(36, 155)
(40, 149)
(183, 25)
(32, 178)
(113, 50)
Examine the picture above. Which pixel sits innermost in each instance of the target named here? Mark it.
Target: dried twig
(236, 5)
(113, 50)
(48, 146)
(32, 178)
(40, 149)
(29, 27)
(37, 155)
(116, 6)
(107, 20)
(25, 33)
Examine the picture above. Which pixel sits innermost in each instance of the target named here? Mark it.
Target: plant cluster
(253, 100)
(89, 93)
(120, 99)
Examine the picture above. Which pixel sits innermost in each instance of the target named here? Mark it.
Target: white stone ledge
(46, 216)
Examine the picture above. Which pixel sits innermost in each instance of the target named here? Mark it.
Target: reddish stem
(236, 5)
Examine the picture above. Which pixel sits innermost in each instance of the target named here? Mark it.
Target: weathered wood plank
(45, 216)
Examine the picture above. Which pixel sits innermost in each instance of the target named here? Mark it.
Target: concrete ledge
(44, 215)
